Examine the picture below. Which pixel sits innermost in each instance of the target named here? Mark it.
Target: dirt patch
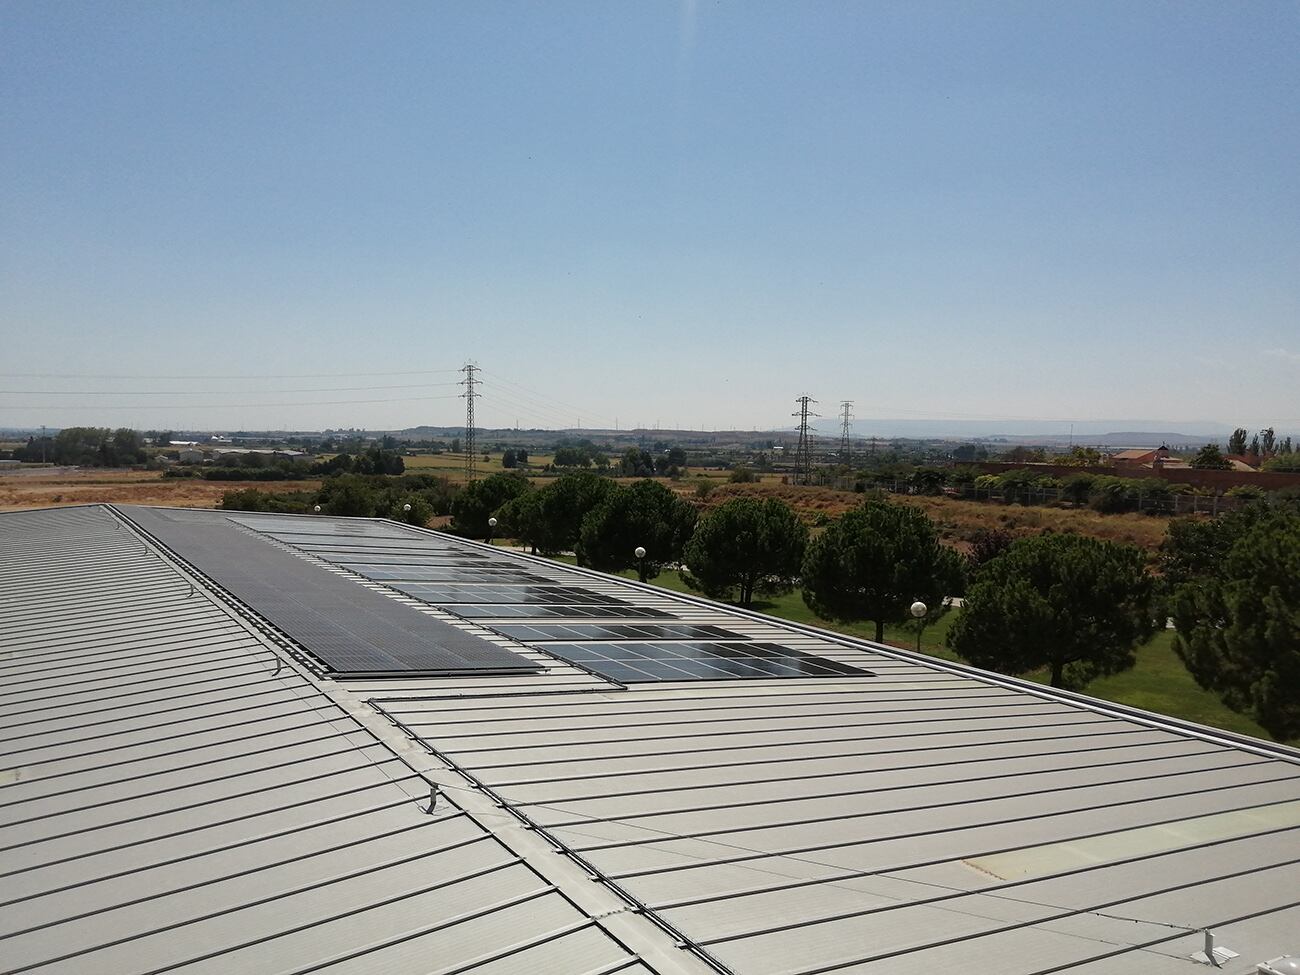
(127, 487)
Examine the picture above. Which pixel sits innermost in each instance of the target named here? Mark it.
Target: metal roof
(178, 795)
(920, 817)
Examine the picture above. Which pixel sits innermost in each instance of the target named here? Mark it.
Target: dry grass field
(126, 487)
(956, 517)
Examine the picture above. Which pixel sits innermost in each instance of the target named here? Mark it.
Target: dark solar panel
(614, 631)
(395, 545)
(488, 593)
(434, 573)
(383, 558)
(632, 663)
(353, 629)
(551, 612)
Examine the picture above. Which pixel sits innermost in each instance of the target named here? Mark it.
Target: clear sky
(673, 214)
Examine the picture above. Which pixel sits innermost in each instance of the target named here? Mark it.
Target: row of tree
(1261, 446)
(358, 495)
(86, 447)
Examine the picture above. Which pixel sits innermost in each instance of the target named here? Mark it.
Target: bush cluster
(358, 495)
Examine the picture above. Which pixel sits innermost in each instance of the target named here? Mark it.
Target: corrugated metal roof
(178, 797)
(852, 824)
(179, 803)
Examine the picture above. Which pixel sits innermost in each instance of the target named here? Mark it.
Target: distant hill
(1139, 433)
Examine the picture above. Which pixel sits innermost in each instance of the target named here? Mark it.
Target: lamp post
(639, 552)
(918, 610)
(492, 523)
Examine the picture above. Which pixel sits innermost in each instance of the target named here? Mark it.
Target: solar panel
(446, 594)
(614, 631)
(435, 573)
(381, 558)
(395, 545)
(543, 612)
(354, 630)
(632, 663)
(333, 528)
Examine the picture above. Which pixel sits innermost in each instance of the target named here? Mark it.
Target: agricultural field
(452, 466)
(101, 485)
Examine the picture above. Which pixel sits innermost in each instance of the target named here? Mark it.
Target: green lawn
(1159, 682)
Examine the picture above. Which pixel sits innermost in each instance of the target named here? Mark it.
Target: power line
(223, 406)
(206, 392)
(208, 375)
(545, 420)
(515, 400)
(542, 396)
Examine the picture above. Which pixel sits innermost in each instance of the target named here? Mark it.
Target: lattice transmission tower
(846, 421)
(803, 453)
(471, 452)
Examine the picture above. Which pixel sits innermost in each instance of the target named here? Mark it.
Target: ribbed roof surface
(178, 795)
(928, 818)
(176, 798)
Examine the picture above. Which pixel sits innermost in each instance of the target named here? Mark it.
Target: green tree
(574, 453)
(520, 518)
(349, 495)
(420, 513)
(1238, 629)
(471, 509)
(1210, 458)
(927, 480)
(1267, 442)
(1286, 461)
(1077, 487)
(565, 502)
(1080, 457)
(1237, 442)
(379, 461)
(874, 561)
(646, 515)
(986, 544)
(742, 475)
(746, 546)
(636, 462)
(96, 447)
(1075, 605)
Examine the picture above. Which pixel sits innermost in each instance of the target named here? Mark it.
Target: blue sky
(674, 214)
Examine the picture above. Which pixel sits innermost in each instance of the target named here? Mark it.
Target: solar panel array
(496, 593)
(631, 663)
(351, 629)
(537, 605)
(437, 573)
(543, 612)
(614, 631)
